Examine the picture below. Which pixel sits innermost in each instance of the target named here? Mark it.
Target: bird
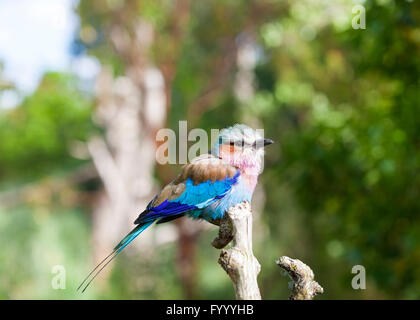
(205, 188)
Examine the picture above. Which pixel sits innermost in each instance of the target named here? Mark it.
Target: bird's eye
(238, 143)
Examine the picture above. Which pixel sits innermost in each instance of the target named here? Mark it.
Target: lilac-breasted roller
(206, 187)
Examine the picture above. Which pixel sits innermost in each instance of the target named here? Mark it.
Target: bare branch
(303, 285)
(239, 261)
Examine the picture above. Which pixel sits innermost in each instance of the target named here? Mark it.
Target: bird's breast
(240, 192)
(249, 181)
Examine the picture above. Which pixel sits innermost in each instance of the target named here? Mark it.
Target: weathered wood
(239, 261)
(303, 285)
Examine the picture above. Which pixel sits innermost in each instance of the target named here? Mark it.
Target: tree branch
(239, 261)
(303, 285)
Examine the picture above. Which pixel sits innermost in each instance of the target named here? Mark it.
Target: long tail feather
(118, 248)
(115, 253)
(84, 280)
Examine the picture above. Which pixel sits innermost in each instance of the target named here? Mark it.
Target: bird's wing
(201, 182)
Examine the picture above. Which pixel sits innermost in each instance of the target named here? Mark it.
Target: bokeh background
(85, 86)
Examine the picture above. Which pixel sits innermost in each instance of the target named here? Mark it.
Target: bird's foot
(225, 233)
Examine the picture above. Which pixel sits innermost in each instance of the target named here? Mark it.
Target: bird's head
(242, 147)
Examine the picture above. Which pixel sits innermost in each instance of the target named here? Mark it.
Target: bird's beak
(268, 142)
(262, 143)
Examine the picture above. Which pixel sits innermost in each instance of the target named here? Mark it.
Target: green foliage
(35, 137)
(346, 112)
(36, 239)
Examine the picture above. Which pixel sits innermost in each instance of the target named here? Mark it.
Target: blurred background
(85, 85)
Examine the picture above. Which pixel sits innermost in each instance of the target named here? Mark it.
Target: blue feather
(131, 236)
(194, 197)
(201, 195)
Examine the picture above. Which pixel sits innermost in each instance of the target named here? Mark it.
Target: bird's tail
(118, 248)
